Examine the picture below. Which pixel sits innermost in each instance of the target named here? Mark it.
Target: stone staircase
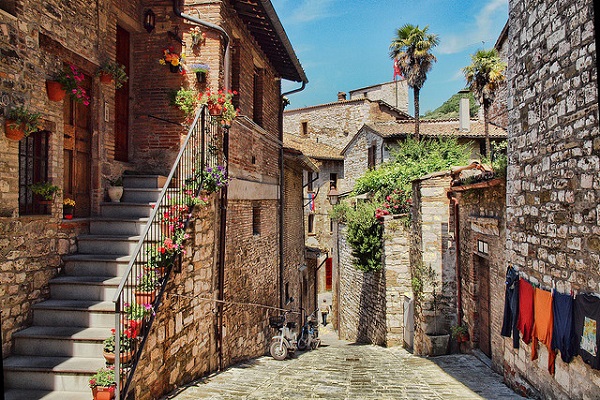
(55, 357)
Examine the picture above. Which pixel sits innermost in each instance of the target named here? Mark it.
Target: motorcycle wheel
(302, 344)
(315, 343)
(278, 351)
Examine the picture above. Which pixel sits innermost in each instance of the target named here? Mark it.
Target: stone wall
(431, 250)
(553, 183)
(394, 93)
(356, 161)
(181, 345)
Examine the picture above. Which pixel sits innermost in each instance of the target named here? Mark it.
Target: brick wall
(553, 182)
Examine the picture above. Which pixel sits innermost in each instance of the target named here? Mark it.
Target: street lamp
(149, 20)
(333, 196)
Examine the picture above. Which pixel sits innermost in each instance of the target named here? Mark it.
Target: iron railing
(159, 251)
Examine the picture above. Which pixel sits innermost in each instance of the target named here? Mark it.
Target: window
(235, 71)
(330, 225)
(9, 6)
(304, 128)
(372, 151)
(333, 180)
(256, 220)
(311, 223)
(33, 168)
(482, 149)
(483, 247)
(257, 115)
(309, 184)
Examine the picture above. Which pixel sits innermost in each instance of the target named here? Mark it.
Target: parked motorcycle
(309, 335)
(285, 343)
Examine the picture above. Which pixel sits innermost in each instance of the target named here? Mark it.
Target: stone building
(553, 182)
(130, 132)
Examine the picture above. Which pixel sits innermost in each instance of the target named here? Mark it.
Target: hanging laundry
(563, 337)
(511, 306)
(542, 325)
(585, 323)
(525, 321)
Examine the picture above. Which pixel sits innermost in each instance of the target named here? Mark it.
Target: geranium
(398, 202)
(219, 103)
(104, 377)
(70, 81)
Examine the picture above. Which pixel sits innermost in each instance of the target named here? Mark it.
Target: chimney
(464, 119)
(341, 96)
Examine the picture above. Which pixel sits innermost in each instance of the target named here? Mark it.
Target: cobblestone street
(341, 370)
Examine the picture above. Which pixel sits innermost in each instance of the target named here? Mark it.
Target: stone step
(117, 226)
(144, 181)
(98, 288)
(22, 394)
(107, 244)
(59, 341)
(140, 195)
(126, 210)
(51, 373)
(79, 313)
(96, 264)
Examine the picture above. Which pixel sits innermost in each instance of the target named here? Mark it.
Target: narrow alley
(342, 370)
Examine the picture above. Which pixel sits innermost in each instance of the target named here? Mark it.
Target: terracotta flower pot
(125, 357)
(13, 132)
(145, 297)
(103, 392)
(55, 91)
(105, 78)
(215, 109)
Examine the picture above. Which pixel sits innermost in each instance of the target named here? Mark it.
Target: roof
(435, 128)
(401, 114)
(301, 159)
(311, 148)
(262, 21)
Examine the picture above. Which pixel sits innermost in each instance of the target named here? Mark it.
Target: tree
(411, 51)
(484, 76)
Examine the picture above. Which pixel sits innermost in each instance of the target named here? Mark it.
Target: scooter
(285, 343)
(309, 335)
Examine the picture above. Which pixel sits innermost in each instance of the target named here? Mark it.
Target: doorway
(482, 267)
(77, 152)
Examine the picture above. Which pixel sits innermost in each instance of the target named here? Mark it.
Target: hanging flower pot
(105, 77)
(13, 130)
(215, 109)
(200, 76)
(174, 68)
(55, 91)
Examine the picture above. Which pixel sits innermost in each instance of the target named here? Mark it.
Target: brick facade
(553, 182)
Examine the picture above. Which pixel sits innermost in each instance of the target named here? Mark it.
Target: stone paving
(343, 370)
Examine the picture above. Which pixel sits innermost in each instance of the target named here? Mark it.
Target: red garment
(525, 323)
(543, 325)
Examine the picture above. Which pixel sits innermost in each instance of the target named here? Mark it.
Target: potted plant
(126, 344)
(187, 101)
(200, 70)
(115, 189)
(70, 82)
(21, 123)
(460, 333)
(45, 190)
(68, 208)
(145, 291)
(172, 59)
(219, 103)
(112, 72)
(103, 384)
(198, 37)
(214, 179)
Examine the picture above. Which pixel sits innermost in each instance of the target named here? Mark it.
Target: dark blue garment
(563, 335)
(586, 317)
(511, 306)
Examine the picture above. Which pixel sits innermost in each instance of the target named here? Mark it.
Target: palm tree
(484, 76)
(410, 50)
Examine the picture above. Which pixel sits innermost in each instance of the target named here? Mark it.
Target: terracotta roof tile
(309, 147)
(435, 128)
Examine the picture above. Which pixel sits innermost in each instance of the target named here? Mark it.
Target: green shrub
(365, 234)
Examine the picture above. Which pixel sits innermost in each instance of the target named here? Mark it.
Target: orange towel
(543, 325)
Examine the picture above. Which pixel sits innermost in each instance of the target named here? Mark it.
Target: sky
(344, 44)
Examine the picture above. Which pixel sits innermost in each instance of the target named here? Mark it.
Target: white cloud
(479, 30)
(311, 10)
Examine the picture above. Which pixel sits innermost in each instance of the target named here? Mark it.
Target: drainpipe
(209, 25)
(282, 195)
(454, 201)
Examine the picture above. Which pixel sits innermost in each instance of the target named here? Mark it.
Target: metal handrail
(159, 250)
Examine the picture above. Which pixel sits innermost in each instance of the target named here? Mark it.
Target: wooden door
(484, 305)
(328, 274)
(78, 152)
(122, 99)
